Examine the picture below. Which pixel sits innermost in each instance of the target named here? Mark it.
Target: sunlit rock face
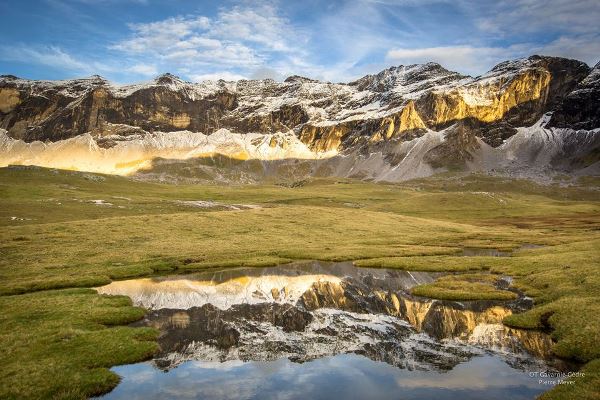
(137, 151)
(369, 128)
(305, 311)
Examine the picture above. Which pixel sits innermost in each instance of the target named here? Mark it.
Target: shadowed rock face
(306, 311)
(581, 107)
(398, 103)
(60, 111)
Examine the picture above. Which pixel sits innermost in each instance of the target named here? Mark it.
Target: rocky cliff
(450, 120)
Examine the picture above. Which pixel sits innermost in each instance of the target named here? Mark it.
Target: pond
(322, 330)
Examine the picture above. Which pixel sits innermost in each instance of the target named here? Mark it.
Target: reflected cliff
(310, 310)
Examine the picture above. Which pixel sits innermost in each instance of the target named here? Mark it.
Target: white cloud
(523, 16)
(338, 42)
(162, 35)
(54, 57)
(516, 22)
(261, 25)
(477, 60)
(225, 75)
(50, 56)
(144, 69)
(464, 59)
(240, 39)
(582, 47)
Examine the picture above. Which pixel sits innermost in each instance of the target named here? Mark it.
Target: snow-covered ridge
(373, 96)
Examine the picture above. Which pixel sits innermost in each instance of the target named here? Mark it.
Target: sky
(129, 41)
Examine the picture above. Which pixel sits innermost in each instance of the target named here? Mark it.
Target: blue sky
(135, 40)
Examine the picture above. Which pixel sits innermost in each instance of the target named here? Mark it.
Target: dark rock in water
(210, 324)
(286, 316)
(199, 324)
(350, 295)
(440, 323)
(326, 294)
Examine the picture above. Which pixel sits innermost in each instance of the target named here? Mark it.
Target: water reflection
(346, 376)
(320, 313)
(283, 284)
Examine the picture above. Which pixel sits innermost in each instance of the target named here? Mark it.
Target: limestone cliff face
(511, 95)
(397, 105)
(285, 118)
(486, 101)
(9, 99)
(403, 125)
(324, 138)
(56, 111)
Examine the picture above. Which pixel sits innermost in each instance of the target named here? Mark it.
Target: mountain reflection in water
(313, 311)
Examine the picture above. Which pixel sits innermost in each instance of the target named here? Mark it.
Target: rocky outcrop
(60, 110)
(396, 103)
(457, 149)
(9, 99)
(512, 94)
(580, 109)
(404, 122)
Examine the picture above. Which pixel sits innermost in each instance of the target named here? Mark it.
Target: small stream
(326, 330)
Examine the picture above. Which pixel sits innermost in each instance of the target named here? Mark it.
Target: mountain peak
(404, 75)
(9, 77)
(168, 78)
(299, 79)
(537, 60)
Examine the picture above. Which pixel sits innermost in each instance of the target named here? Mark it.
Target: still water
(326, 330)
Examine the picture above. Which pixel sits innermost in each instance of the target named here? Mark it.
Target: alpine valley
(415, 234)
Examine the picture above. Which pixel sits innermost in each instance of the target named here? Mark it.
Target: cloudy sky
(135, 40)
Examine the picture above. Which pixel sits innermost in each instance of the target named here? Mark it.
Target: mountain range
(534, 117)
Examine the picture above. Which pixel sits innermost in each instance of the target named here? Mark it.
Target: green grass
(60, 240)
(464, 287)
(583, 388)
(432, 263)
(60, 343)
(461, 290)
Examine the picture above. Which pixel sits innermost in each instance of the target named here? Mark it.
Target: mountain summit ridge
(379, 113)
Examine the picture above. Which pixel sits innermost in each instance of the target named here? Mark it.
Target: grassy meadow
(63, 232)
